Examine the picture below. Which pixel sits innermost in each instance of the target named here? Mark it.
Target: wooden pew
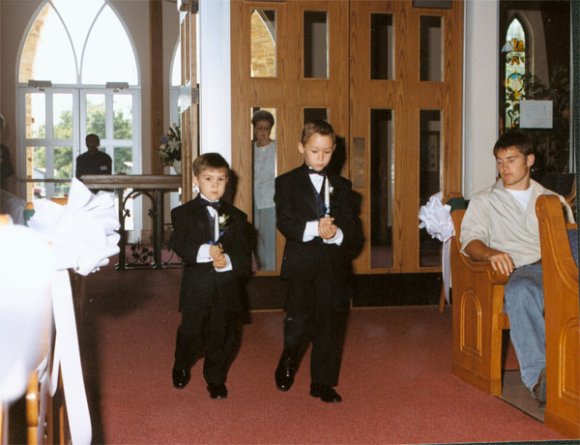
(478, 317)
(561, 310)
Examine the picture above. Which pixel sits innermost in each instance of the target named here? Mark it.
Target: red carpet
(396, 380)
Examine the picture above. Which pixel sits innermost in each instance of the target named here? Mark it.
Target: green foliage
(122, 126)
(63, 130)
(123, 160)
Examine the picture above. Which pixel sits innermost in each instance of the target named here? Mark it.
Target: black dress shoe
(181, 377)
(285, 373)
(325, 393)
(217, 390)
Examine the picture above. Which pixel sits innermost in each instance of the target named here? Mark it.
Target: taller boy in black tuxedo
(210, 236)
(315, 213)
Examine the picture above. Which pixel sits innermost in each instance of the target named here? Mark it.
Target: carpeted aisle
(396, 380)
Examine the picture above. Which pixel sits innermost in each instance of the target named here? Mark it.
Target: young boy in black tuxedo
(315, 213)
(210, 236)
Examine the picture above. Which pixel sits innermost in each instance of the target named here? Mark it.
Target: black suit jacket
(201, 285)
(296, 204)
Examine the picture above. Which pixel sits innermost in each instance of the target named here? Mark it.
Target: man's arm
(500, 261)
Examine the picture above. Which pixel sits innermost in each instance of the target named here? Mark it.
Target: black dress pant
(311, 315)
(210, 333)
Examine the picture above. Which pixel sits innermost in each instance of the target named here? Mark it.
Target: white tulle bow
(82, 233)
(436, 219)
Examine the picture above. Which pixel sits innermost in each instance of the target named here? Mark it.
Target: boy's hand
(326, 227)
(215, 251)
(220, 262)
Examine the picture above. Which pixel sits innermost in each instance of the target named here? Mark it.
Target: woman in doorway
(264, 174)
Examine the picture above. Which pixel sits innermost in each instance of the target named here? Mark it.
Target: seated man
(93, 161)
(501, 226)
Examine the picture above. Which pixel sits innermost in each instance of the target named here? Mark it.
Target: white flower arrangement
(170, 148)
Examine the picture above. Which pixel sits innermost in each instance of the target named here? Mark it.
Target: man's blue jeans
(524, 304)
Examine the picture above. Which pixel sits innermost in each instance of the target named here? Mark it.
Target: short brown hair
(210, 161)
(263, 115)
(515, 139)
(317, 126)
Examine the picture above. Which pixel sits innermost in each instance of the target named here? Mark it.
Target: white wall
(215, 78)
(481, 86)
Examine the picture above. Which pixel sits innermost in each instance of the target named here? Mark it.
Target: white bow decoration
(82, 233)
(436, 219)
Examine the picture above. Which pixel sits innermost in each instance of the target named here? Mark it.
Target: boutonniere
(223, 221)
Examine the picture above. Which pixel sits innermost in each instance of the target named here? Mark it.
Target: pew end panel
(561, 308)
(478, 318)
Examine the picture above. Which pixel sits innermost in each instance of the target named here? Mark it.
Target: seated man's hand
(501, 262)
(326, 227)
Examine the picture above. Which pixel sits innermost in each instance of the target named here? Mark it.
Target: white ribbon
(436, 219)
(82, 237)
(67, 355)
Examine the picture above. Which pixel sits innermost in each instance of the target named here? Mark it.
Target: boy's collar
(309, 169)
(203, 197)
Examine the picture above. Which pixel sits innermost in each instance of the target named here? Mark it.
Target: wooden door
(387, 75)
(405, 116)
(288, 58)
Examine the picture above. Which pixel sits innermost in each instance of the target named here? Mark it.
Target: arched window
(515, 70)
(77, 75)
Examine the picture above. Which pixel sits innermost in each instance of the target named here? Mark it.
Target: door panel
(393, 241)
(369, 85)
(292, 94)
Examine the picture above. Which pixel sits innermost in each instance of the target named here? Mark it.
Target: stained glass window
(515, 70)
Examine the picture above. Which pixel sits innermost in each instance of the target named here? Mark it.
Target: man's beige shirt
(495, 218)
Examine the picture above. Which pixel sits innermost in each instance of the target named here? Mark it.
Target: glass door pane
(122, 116)
(431, 48)
(315, 44)
(62, 116)
(35, 115)
(95, 115)
(382, 46)
(265, 159)
(430, 180)
(36, 169)
(382, 188)
(263, 43)
(122, 133)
